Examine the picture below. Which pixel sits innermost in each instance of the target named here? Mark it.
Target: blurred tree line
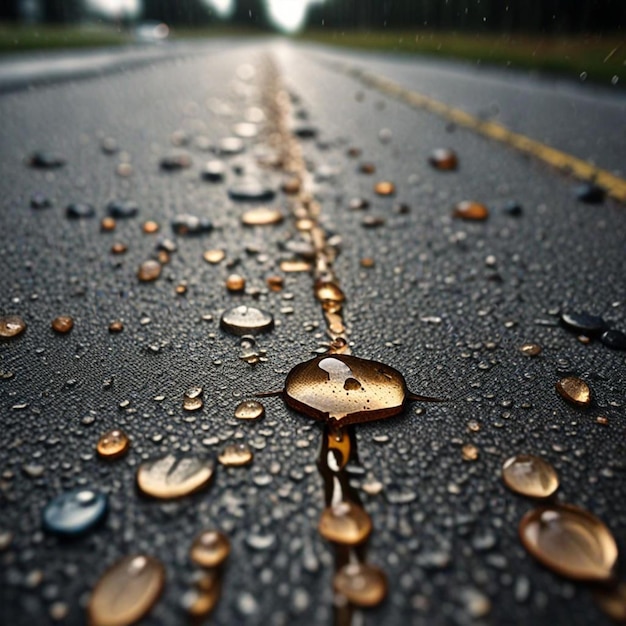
(532, 16)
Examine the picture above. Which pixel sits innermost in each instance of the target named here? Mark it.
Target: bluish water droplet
(74, 512)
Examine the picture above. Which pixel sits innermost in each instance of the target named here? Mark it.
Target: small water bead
(614, 339)
(172, 477)
(236, 455)
(116, 326)
(250, 410)
(210, 548)
(148, 271)
(385, 188)
(570, 541)
(79, 210)
(122, 209)
(471, 211)
(214, 171)
(574, 390)
(124, 170)
(345, 523)
(250, 190)
(74, 512)
(176, 161)
(119, 248)
(109, 145)
(469, 452)
(192, 399)
(246, 130)
(262, 216)
(113, 444)
(345, 389)
(235, 283)
(530, 349)
(612, 601)
(231, 145)
(62, 324)
(11, 326)
(275, 283)
(367, 168)
(372, 221)
(107, 224)
(367, 262)
(40, 201)
(46, 160)
(292, 266)
(328, 291)
(186, 224)
(443, 159)
(126, 591)
(201, 601)
(214, 256)
(530, 476)
(358, 204)
(291, 186)
(362, 584)
(150, 227)
(584, 323)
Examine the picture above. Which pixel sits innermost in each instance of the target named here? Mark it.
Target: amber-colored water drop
(116, 326)
(192, 399)
(295, 266)
(275, 283)
(210, 548)
(530, 476)
(385, 188)
(367, 262)
(345, 523)
(571, 541)
(472, 211)
(367, 168)
(575, 390)
(11, 326)
(530, 349)
(340, 444)
(469, 452)
(328, 291)
(291, 186)
(236, 455)
(362, 584)
(612, 602)
(214, 256)
(126, 591)
(107, 224)
(262, 216)
(199, 602)
(150, 227)
(173, 477)
(443, 159)
(235, 283)
(249, 410)
(113, 444)
(118, 248)
(318, 388)
(62, 324)
(149, 270)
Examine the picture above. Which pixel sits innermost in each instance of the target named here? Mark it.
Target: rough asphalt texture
(445, 530)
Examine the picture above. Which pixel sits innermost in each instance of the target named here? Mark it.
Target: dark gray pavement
(436, 306)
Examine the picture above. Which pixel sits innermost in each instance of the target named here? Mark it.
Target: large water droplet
(575, 390)
(262, 216)
(210, 548)
(74, 512)
(113, 444)
(173, 477)
(345, 389)
(362, 584)
(246, 320)
(570, 541)
(126, 591)
(11, 326)
(249, 410)
(583, 323)
(62, 324)
(530, 476)
(345, 523)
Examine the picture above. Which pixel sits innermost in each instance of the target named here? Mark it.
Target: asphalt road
(448, 304)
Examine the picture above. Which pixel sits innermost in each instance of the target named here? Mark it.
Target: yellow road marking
(614, 185)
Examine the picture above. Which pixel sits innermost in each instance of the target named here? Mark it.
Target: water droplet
(200, 601)
(612, 601)
(250, 190)
(118, 248)
(150, 227)
(62, 324)
(249, 410)
(362, 584)
(11, 326)
(109, 145)
(530, 349)
(372, 221)
(122, 209)
(326, 291)
(345, 389)
(116, 326)
(575, 390)
(79, 210)
(39, 201)
(210, 548)
(614, 339)
(46, 160)
(246, 130)
(178, 161)
(113, 444)
(469, 452)
(530, 476)
(262, 216)
(236, 455)
(291, 186)
(290, 266)
(514, 209)
(173, 477)
(185, 224)
(124, 170)
(571, 541)
(74, 512)
(345, 523)
(214, 171)
(385, 188)
(443, 159)
(585, 323)
(590, 193)
(469, 210)
(235, 283)
(275, 283)
(149, 270)
(192, 399)
(126, 591)
(367, 168)
(231, 145)
(107, 224)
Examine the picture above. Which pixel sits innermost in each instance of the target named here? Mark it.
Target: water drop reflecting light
(530, 476)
